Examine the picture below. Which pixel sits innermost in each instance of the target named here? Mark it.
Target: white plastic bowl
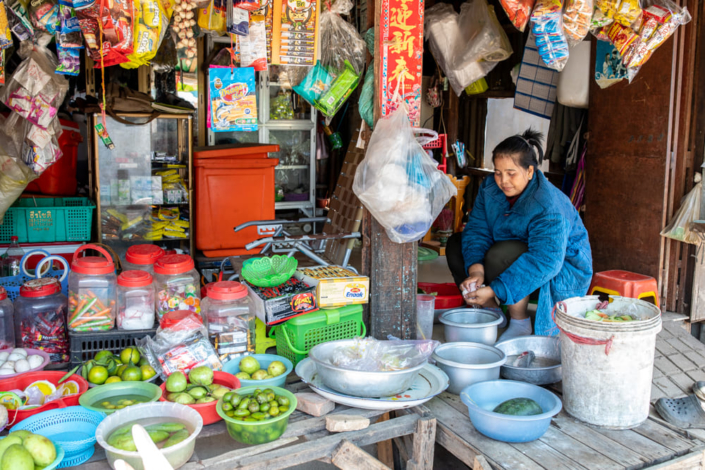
(177, 455)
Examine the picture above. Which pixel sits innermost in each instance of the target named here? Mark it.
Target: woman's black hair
(524, 149)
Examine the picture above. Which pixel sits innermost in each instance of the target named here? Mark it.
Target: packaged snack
(608, 7)
(547, 26)
(5, 34)
(518, 11)
(330, 102)
(233, 99)
(69, 61)
(253, 47)
(150, 22)
(239, 22)
(2, 67)
(576, 20)
(621, 37)
(213, 17)
(45, 15)
(628, 12)
(114, 45)
(599, 20)
(247, 5)
(18, 18)
(69, 36)
(317, 81)
(659, 13)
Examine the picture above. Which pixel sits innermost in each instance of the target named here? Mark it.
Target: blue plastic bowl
(72, 428)
(481, 398)
(233, 367)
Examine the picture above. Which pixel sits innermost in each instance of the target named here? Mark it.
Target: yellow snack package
(148, 32)
(213, 17)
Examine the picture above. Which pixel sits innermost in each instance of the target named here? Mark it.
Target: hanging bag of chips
(547, 26)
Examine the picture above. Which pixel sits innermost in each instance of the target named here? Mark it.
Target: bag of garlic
(184, 25)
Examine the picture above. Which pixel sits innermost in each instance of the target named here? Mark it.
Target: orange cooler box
(234, 185)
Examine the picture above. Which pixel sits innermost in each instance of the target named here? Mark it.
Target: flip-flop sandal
(699, 389)
(683, 412)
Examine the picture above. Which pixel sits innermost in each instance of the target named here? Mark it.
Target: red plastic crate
(449, 295)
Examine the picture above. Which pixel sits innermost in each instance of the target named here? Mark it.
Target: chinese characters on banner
(401, 44)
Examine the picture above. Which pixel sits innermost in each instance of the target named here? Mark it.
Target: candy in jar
(92, 291)
(40, 318)
(142, 257)
(176, 283)
(231, 322)
(135, 300)
(7, 322)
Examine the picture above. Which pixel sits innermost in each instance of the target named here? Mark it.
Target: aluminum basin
(359, 383)
(471, 325)
(468, 363)
(547, 350)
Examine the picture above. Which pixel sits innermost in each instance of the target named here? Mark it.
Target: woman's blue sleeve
(477, 236)
(548, 239)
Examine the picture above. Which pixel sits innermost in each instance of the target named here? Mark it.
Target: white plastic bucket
(607, 367)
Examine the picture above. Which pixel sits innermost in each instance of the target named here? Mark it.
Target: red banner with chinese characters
(401, 52)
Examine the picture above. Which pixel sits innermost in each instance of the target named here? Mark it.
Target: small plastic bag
(45, 15)
(679, 227)
(372, 355)
(340, 41)
(18, 17)
(253, 47)
(547, 26)
(14, 178)
(399, 183)
(483, 36)
(518, 11)
(577, 16)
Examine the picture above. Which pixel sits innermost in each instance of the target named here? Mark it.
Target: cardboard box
(279, 309)
(335, 285)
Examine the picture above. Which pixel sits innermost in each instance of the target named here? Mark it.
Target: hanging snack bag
(233, 99)
(627, 12)
(114, 34)
(151, 24)
(214, 17)
(5, 34)
(69, 61)
(518, 11)
(69, 36)
(247, 5)
(316, 81)
(330, 102)
(576, 20)
(253, 47)
(18, 18)
(45, 15)
(239, 22)
(547, 26)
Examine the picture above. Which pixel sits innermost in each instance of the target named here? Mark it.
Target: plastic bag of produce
(370, 354)
(399, 183)
(679, 227)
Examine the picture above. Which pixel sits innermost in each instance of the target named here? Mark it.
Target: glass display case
(285, 119)
(143, 186)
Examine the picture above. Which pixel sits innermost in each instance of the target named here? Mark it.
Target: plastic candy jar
(142, 257)
(40, 318)
(231, 322)
(177, 284)
(135, 300)
(7, 322)
(92, 295)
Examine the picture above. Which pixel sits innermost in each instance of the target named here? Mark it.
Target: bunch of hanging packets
(547, 26)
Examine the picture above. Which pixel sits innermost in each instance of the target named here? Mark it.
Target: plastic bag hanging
(547, 26)
(679, 227)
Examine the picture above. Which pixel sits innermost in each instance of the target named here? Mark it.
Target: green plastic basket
(297, 336)
(269, 272)
(48, 219)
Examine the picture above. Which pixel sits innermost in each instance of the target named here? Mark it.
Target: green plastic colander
(269, 272)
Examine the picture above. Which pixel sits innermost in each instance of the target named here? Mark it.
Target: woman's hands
(482, 296)
(476, 277)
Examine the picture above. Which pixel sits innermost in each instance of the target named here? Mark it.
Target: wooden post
(351, 457)
(384, 448)
(424, 445)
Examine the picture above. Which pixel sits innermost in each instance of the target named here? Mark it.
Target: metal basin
(471, 325)
(359, 383)
(547, 365)
(468, 363)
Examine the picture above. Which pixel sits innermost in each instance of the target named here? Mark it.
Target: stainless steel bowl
(473, 325)
(546, 349)
(468, 363)
(359, 383)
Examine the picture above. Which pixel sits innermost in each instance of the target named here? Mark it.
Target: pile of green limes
(260, 405)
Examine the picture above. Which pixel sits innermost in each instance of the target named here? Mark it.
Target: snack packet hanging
(232, 99)
(239, 21)
(2, 67)
(547, 26)
(5, 33)
(69, 61)
(18, 18)
(113, 46)
(69, 36)
(333, 98)
(151, 23)
(45, 15)
(316, 81)
(214, 17)
(518, 11)
(627, 12)
(577, 18)
(253, 47)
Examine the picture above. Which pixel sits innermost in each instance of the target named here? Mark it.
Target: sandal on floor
(699, 389)
(683, 412)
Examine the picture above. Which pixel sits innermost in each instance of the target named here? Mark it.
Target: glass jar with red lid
(92, 291)
(40, 318)
(176, 283)
(7, 322)
(231, 321)
(142, 257)
(135, 300)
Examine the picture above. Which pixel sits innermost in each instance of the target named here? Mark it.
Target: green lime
(98, 375)
(101, 354)
(130, 354)
(147, 372)
(112, 380)
(131, 374)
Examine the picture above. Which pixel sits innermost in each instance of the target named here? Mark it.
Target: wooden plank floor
(571, 444)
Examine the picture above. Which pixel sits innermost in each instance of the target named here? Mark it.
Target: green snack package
(331, 101)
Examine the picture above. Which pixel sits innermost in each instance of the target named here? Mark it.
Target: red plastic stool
(626, 284)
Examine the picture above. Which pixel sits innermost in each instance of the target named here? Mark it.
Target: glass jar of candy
(7, 322)
(40, 318)
(142, 257)
(231, 321)
(92, 295)
(176, 283)
(135, 300)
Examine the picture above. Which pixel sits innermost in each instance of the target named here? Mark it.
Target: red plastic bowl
(21, 382)
(449, 295)
(207, 410)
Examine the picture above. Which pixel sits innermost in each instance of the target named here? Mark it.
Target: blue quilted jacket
(559, 260)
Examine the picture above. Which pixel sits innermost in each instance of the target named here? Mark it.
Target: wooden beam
(424, 445)
(351, 457)
(689, 461)
(384, 448)
(481, 463)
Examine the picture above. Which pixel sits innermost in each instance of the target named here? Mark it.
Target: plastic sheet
(679, 227)
(399, 183)
(370, 354)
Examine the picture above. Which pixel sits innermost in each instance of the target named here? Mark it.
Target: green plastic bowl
(269, 272)
(92, 398)
(258, 432)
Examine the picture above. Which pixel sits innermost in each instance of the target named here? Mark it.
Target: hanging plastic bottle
(12, 258)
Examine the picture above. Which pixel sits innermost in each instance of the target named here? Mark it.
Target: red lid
(92, 264)
(226, 290)
(143, 254)
(14, 238)
(172, 318)
(135, 278)
(3, 293)
(173, 264)
(40, 287)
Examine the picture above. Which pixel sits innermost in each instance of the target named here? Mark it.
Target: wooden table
(571, 444)
(306, 439)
